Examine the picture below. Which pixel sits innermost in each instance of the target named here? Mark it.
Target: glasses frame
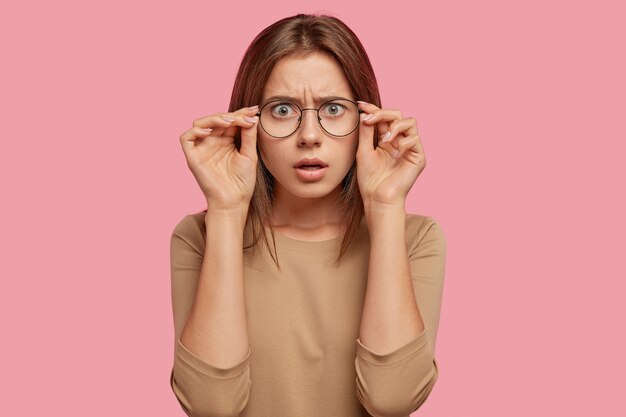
(317, 110)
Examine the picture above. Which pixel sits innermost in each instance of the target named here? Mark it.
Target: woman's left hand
(387, 172)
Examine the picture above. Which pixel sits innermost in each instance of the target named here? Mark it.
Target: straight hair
(302, 34)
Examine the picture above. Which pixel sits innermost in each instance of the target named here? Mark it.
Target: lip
(310, 175)
(310, 161)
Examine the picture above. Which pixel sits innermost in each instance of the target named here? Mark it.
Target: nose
(310, 131)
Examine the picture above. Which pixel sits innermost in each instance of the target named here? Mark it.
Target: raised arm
(395, 364)
(211, 374)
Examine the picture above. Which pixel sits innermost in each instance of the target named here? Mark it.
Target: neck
(321, 215)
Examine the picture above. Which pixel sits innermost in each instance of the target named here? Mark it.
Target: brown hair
(303, 34)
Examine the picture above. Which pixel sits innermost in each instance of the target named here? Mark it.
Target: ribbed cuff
(420, 342)
(214, 372)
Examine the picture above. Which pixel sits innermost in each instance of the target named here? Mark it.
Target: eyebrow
(320, 99)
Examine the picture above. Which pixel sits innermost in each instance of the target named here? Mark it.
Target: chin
(311, 191)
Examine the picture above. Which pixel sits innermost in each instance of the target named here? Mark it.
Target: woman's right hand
(225, 175)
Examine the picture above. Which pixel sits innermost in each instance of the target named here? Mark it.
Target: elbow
(214, 402)
(425, 388)
(382, 402)
(201, 409)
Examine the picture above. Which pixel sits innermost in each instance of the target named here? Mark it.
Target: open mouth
(310, 169)
(310, 163)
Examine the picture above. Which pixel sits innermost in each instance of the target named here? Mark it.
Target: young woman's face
(310, 163)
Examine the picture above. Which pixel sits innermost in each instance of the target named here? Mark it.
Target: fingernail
(395, 153)
(387, 136)
(250, 119)
(228, 119)
(362, 102)
(208, 130)
(368, 116)
(256, 106)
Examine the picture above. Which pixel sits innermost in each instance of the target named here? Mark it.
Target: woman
(305, 288)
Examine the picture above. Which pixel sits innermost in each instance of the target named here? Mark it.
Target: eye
(283, 110)
(333, 109)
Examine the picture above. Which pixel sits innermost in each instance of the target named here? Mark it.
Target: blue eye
(333, 109)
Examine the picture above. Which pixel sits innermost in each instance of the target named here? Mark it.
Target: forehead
(307, 79)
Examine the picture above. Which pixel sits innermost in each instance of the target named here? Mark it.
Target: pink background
(521, 111)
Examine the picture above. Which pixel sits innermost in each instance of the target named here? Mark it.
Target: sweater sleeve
(201, 388)
(398, 383)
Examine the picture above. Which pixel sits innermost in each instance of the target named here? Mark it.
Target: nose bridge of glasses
(317, 112)
(311, 130)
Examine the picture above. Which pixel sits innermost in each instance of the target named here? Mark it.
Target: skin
(308, 210)
(216, 328)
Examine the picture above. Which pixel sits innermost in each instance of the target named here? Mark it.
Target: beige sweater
(305, 358)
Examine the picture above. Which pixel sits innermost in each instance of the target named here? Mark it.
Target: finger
(248, 141)
(387, 147)
(379, 114)
(242, 120)
(214, 121)
(219, 122)
(366, 136)
(195, 133)
(420, 146)
(379, 117)
(189, 138)
(406, 126)
(413, 145)
(406, 143)
(369, 107)
(254, 108)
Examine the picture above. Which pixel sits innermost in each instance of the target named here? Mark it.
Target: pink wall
(522, 115)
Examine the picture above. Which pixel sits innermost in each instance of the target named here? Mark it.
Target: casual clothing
(305, 357)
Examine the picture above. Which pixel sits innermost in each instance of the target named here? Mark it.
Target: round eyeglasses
(338, 117)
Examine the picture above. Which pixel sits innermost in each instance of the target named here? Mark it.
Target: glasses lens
(339, 117)
(280, 119)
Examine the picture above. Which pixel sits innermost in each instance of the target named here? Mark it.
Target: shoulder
(191, 230)
(422, 229)
(190, 224)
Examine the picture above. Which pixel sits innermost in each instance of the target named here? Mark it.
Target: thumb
(248, 141)
(366, 135)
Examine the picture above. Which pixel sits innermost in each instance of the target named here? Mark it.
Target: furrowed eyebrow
(296, 100)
